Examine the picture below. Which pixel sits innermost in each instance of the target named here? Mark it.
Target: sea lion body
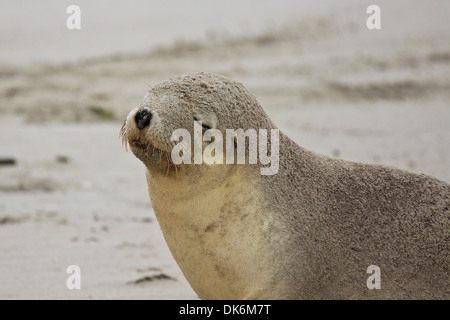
(310, 231)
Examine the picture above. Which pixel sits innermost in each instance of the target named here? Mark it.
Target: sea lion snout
(133, 132)
(143, 118)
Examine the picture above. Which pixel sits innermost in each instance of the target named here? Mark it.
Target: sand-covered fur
(309, 231)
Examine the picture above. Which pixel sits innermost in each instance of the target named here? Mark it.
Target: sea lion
(310, 231)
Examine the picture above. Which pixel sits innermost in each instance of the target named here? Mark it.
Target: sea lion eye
(205, 126)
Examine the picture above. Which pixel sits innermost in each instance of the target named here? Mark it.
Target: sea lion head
(202, 99)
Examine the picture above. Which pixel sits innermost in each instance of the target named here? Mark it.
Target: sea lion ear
(208, 120)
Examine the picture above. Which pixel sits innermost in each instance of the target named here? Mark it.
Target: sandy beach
(71, 195)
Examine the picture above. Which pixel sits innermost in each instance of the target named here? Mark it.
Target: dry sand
(74, 196)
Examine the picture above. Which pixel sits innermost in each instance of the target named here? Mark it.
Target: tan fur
(309, 231)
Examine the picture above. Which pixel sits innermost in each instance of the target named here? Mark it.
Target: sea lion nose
(142, 118)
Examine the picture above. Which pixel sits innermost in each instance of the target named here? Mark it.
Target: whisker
(176, 171)
(168, 166)
(148, 84)
(123, 135)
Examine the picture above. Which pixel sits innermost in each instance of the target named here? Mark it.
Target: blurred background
(69, 193)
